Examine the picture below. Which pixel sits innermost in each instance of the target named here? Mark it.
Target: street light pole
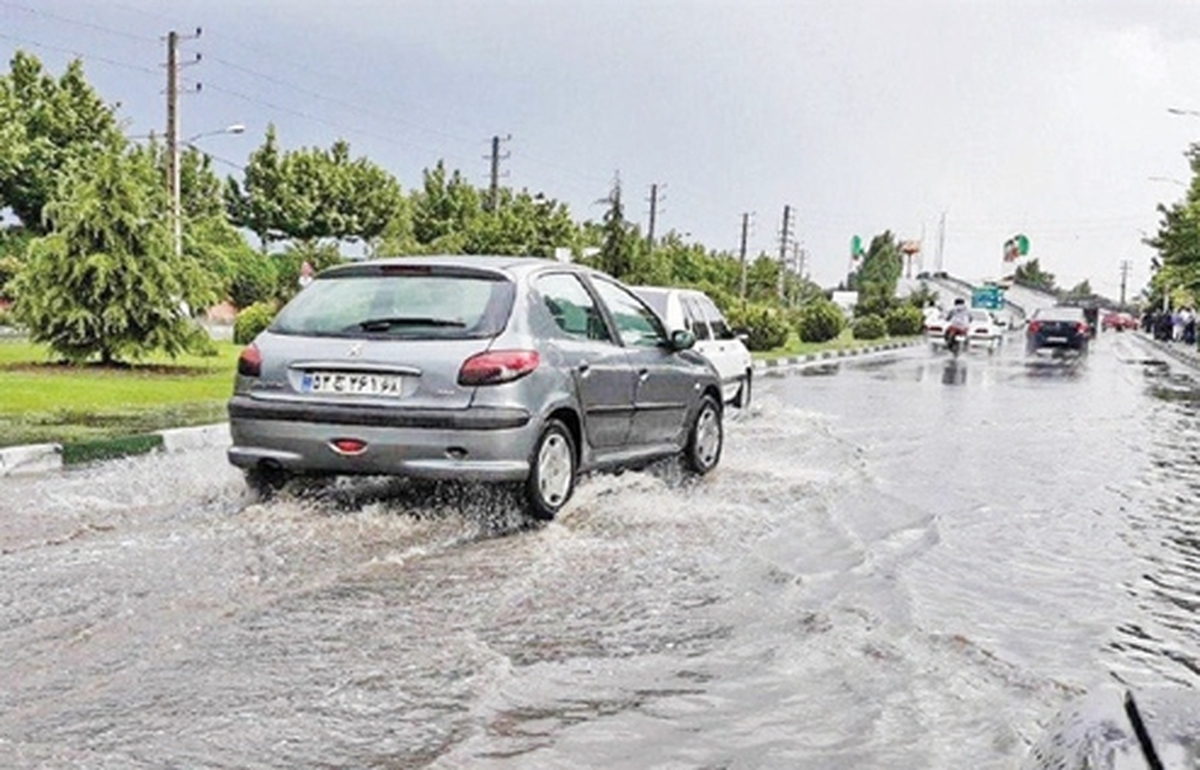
(176, 186)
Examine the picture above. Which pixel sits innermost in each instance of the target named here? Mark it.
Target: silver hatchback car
(503, 369)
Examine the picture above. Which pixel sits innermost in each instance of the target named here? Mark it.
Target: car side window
(716, 321)
(692, 310)
(636, 322)
(572, 307)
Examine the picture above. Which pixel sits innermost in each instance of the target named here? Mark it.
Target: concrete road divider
(45, 458)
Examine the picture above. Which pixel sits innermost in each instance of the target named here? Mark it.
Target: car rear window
(1058, 314)
(417, 305)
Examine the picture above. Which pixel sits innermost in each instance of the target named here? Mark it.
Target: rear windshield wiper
(384, 324)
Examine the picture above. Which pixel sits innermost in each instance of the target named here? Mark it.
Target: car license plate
(1056, 339)
(351, 383)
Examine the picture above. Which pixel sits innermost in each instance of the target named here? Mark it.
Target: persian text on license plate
(351, 383)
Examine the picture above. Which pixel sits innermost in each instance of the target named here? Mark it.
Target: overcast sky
(1042, 118)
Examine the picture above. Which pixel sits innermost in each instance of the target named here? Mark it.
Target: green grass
(97, 412)
(44, 401)
(845, 341)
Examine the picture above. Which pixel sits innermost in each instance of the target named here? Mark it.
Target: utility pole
(745, 232)
(785, 235)
(173, 175)
(653, 213)
(1125, 267)
(496, 157)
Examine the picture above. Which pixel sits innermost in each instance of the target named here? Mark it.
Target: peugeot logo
(355, 350)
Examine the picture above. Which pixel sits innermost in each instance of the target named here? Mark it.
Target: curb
(783, 364)
(1185, 355)
(46, 458)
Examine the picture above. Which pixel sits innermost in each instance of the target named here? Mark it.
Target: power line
(78, 23)
(79, 54)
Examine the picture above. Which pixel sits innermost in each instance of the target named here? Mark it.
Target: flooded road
(903, 561)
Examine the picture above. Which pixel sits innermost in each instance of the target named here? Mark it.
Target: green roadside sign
(988, 297)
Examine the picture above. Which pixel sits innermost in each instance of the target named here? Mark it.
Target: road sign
(988, 297)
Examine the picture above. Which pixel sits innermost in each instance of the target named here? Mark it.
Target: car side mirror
(742, 334)
(682, 339)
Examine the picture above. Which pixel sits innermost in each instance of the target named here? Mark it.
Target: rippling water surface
(905, 562)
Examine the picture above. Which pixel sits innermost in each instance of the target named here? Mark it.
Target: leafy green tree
(45, 126)
(444, 209)
(1079, 292)
(106, 280)
(1177, 241)
(876, 279)
(312, 194)
(622, 242)
(1031, 275)
(922, 297)
(762, 279)
(520, 224)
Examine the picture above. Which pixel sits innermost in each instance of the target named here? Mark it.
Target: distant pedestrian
(1162, 326)
(1189, 326)
(306, 274)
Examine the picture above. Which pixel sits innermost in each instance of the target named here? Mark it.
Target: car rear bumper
(492, 444)
(1072, 343)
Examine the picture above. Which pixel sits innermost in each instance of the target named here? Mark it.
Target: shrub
(252, 320)
(254, 279)
(820, 321)
(765, 326)
(869, 327)
(905, 321)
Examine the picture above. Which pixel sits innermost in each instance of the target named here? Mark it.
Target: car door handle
(584, 368)
(643, 375)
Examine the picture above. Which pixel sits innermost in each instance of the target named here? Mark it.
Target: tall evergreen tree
(105, 281)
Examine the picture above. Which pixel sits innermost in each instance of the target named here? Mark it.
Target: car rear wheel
(744, 392)
(705, 438)
(551, 472)
(264, 482)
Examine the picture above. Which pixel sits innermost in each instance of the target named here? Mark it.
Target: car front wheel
(551, 472)
(705, 438)
(744, 392)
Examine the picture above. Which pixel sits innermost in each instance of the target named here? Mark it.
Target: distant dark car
(1057, 329)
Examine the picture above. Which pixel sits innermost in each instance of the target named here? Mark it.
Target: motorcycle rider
(958, 320)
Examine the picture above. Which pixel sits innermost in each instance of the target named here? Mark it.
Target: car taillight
(497, 366)
(250, 361)
(1082, 328)
(1034, 327)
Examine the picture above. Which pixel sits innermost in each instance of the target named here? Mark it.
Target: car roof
(499, 263)
(1059, 312)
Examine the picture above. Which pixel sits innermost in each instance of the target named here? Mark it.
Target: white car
(984, 332)
(693, 310)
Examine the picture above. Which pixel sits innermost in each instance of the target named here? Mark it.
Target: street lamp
(236, 128)
(1177, 111)
(176, 192)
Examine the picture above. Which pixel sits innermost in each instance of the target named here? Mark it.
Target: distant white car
(984, 332)
(693, 310)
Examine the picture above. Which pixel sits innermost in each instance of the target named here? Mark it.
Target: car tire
(264, 483)
(551, 472)
(706, 437)
(745, 392)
